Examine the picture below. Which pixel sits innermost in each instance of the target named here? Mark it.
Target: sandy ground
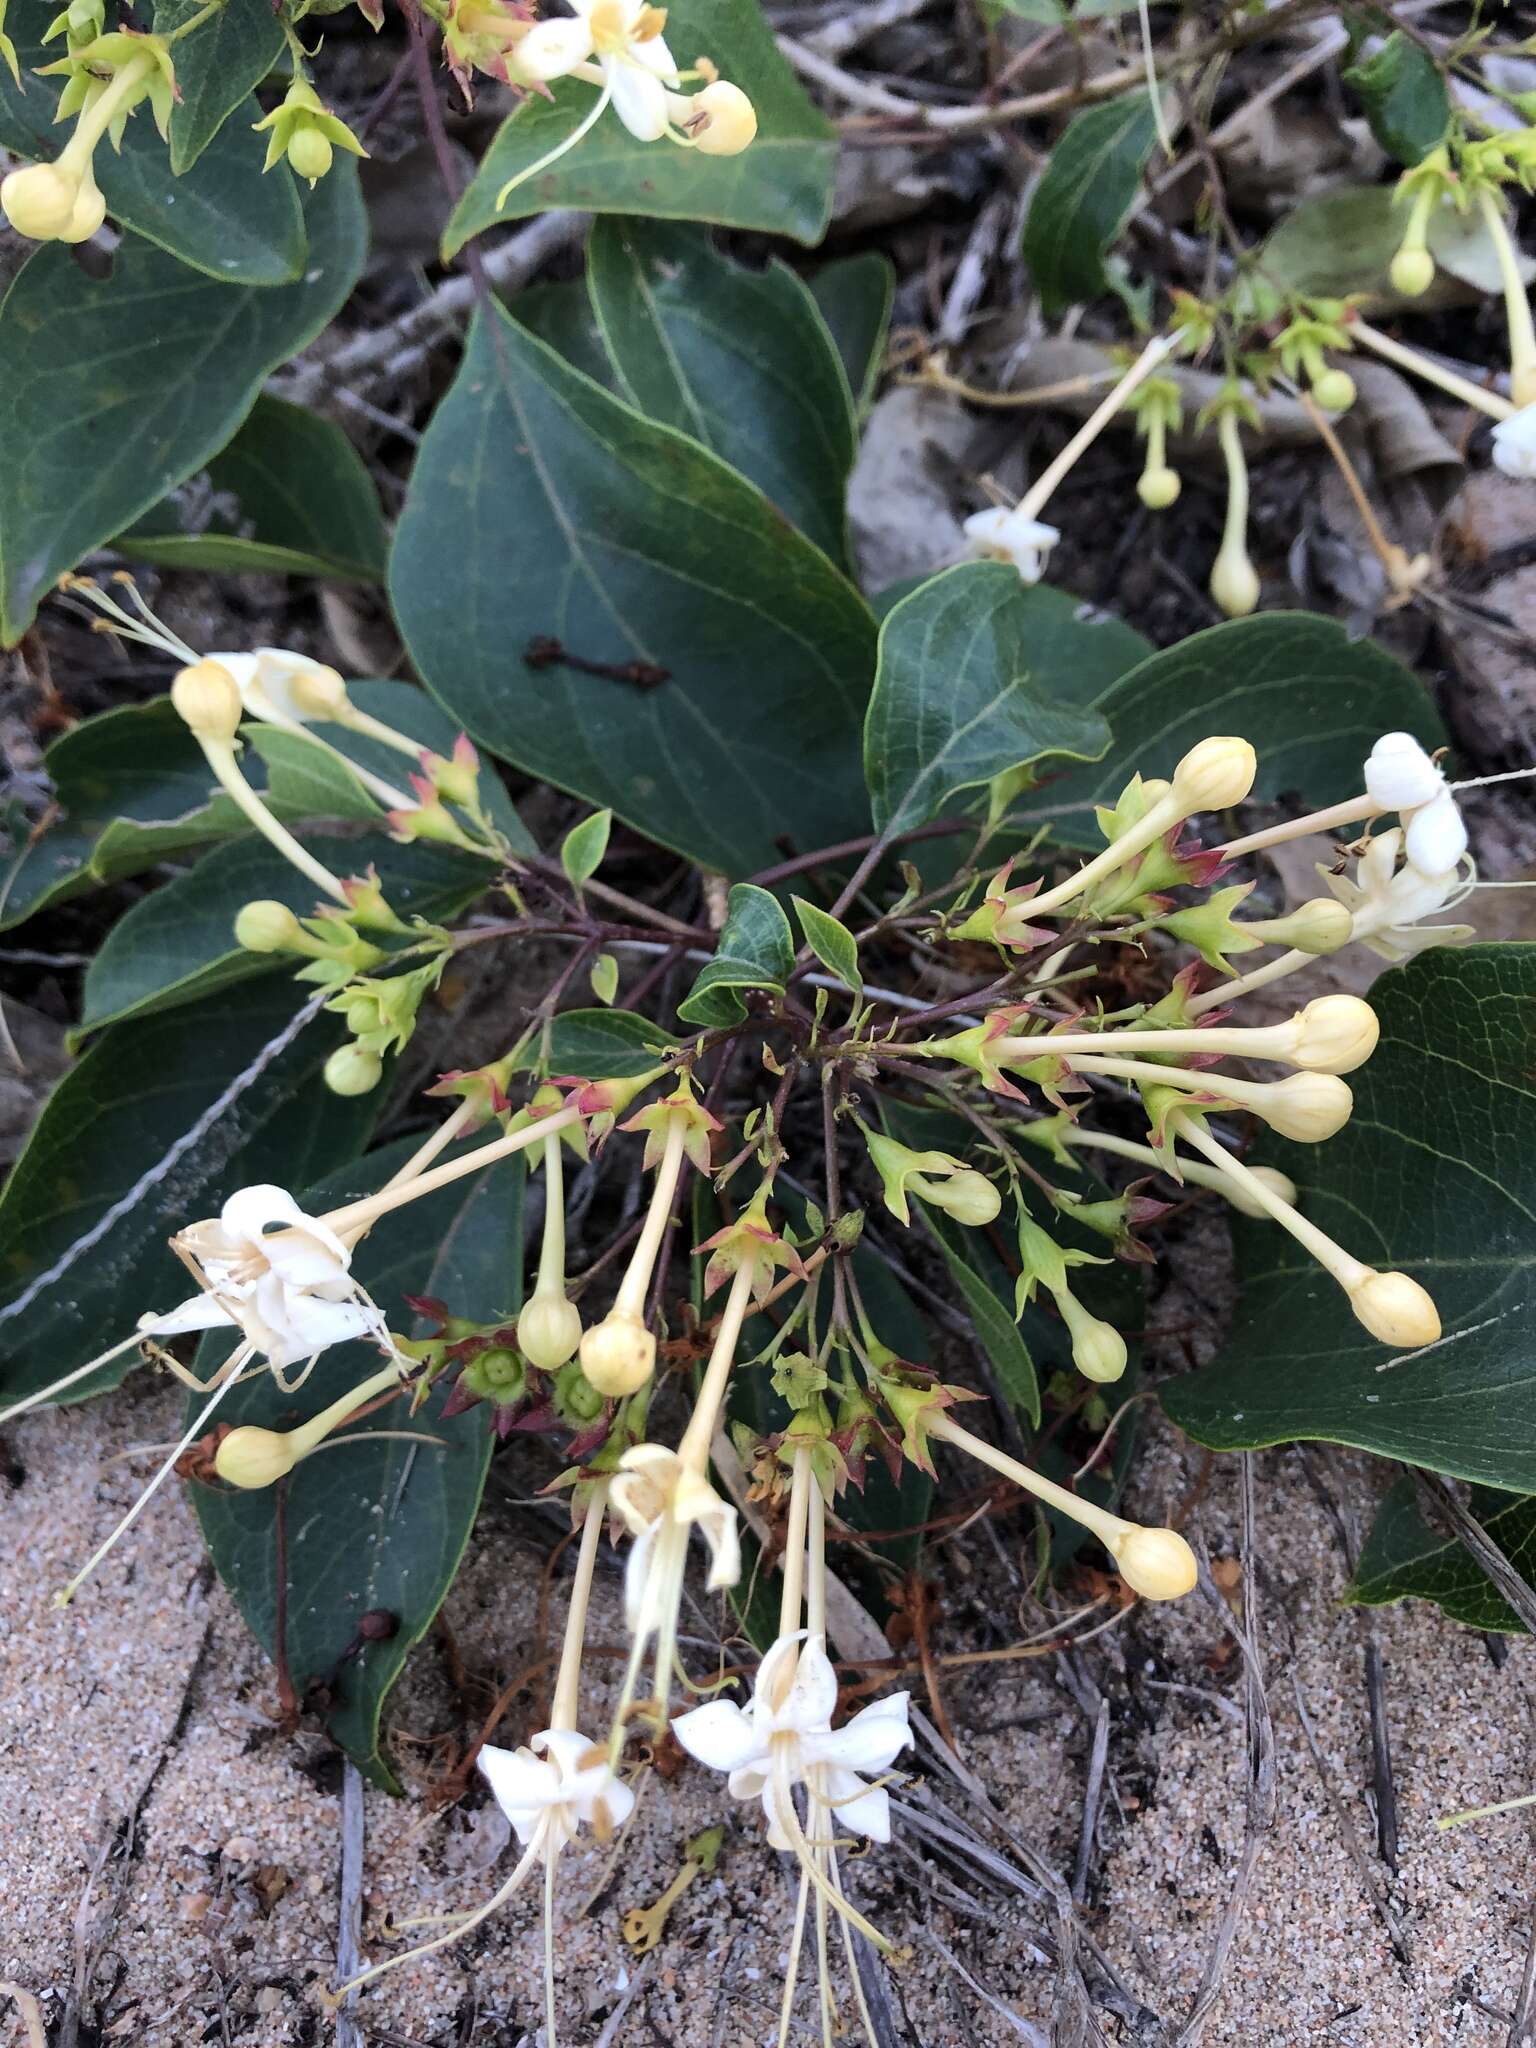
(215, 1915)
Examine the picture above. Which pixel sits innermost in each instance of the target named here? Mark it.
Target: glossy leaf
(978, 675)
(373, 1525)
(86, 450)
(603, 1045)
(561, 315)
(781, 185)
(115, 1116)
(832, 943)
(303, 505)
(634, 544)
(757, 950)
(581, 855)
(854, 294)
(1312, 700)
(739, 359)
(217, 66)
(177, 944)
(1081, 202)
(1404, 96)
(222, 217)
(1434, 1175)
(1403, 1558)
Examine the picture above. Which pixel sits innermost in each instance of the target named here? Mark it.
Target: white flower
(1434, 836)
(279, 1275)
(1000, 535)
(558, 1783)
(1387, 902)
(1514, 444)
(785, 1737)
(1399, 775)
(282, 687)
(635, 65)
(661, 1500)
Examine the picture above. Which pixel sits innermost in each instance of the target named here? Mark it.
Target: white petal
(523, 1785)
(1435, 837)
(871, 1741)
(719, 1734)
(1399, 775)
(636, 1571)
(813, 1696)
(251, 1212)
(639, 99)
(242, 667)
(1514, 443)
(552, 48)
(749, 1781)
(866, 1811)
(655, 56)
(202, 1312)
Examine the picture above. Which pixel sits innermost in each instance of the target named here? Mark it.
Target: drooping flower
(662, 1500)
(304, 130)
(1389, 902)
(1001, 534)
(556, 1784)
(784, 1738)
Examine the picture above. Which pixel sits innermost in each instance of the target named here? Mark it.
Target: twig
(1025, 2029)
(1375, 1892)
(615, 2019)
(1093, 1799)
(349, 1929)
(31, 2013)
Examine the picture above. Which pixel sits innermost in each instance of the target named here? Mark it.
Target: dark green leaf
(1000, 1336)
(757, 950)
(604, 1045)
(1312, 700)
(372, 1525)
(216, 67)
(113, 390)
(781, 185)
(223, 217)
(978, 675)
(1404, 95)
(855, 294)
(178, 944)
(832, 943)
(561, 316)
(633, 544)
(1403, 1558)
(114, 1118)
(1434, 1175)
(585, 844)
(1080, 204)
(304, 505)
(740, 359)
(420, 717)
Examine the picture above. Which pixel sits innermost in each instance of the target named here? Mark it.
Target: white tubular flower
(283, 687)
(1514, 444)
(784, 1737)
(1401, 777)
(663, 1500)
(279, 1275)
(625, 37)
(1000, 535)
(1389, 902)
(1434, 836)
(557, 1784)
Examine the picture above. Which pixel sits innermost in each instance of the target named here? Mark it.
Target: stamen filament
(554, 155)
(1034, 499)
(220, 756)
(412, 1955)
(80, 1372)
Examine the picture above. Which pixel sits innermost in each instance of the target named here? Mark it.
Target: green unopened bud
(968, 1196)
(310, 153)
(549, 1329)
(352, 1071)
(269, 927)
(1412, 272)
(1098, 1349)
(253, 1458)
(1334, 390)
(1159, 487)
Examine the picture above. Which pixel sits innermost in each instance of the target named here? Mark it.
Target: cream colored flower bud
(1156, 1563)
(1277, 1182)
(1098, 1349)
(1320, 925)
(1235, 582)
(618, 1355)
(1215, 774)
(268, 927)
(351, 1070)
(1158, 488)
(1305, 1107)
(318, 691)
(39, 201)
(1335, 1034)
(87, 213)
(1334, 391)
(1395, 1309)
(254, 1458)
(1412, 272)
(208, 699)
(548, 1330)
(731, 123)
(968, 1196)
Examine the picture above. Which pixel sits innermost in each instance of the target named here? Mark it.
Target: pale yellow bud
(1098, 1350)
(1336, 1034)
(1235, 582)
(548, 1330)
(1334, 391)
(1156, 1563)
(268, 927)
(1305, 1107)
(968, 1196)
(254, 1458)
(1215, 774)
(352, 1071)
(39, 201)
(86, 215)
(1395, 1309)
(1277, 1182)
(208, 698)
(318, 691)
(1158, 487)
(310, 153)
(1320, 925)
(732, 120)
(1413, 272)
(618, 1355)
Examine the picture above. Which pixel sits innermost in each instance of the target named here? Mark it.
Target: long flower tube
(1305, 1107)
(1517, 305)
(1156, 1563)
(250, 1457)
(549, 1327)
(618, 1355)
(1392, 1306)
(355, 1217)
(1151, 359)
(1332, 1035)
(1192, 1170)
(1491, 402)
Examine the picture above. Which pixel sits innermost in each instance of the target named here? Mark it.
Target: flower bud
(310, 153)
(1395, 1309)
(87, 213)
(1399, 775)
(1277, 1182)
(548, 1330)
(618, 1355)
(1334, 391)
(1434, 836)
(208, 699)
(1235, 583)
(1158, 488)
(352, 1071)
(732, 119)
(1320, 925)
(268, 927)
(968, 1196)
(39, 201)
(1412, 272)
(317, 691)
(254, 1458)
(1305, 1107)
(1214, 775)
(1335, 1034)
(1098, 1349)
(1156, 1563)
